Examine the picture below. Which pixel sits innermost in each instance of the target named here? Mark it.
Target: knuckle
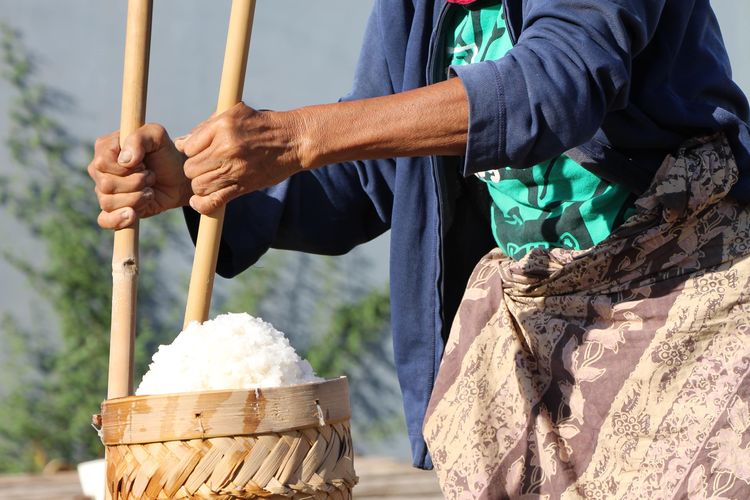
(156, 130)
(102, 220)
(106, 185)
(224, 169)
(102, 142)
(196, 202)
(198, 187)
(139, 182)
(100, 164)
(106, 142)
(234, 153)
(220, 200)
(106, 202)
(188, 169)
(209, 206)
(202, 203)
(224, 122)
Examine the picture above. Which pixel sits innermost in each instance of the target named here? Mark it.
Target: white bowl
(92, 477)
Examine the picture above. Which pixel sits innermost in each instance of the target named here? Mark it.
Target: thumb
(179, 143)
(147, 139)
(211, 202)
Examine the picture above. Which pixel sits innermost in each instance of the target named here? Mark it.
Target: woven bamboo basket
(277, 443)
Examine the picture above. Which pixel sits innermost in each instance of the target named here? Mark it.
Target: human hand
(239, 151)
(142, 179)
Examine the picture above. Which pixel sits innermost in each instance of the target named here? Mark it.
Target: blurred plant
(357, 344)
(57, 385)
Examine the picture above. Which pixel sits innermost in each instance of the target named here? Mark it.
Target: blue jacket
(635, 77)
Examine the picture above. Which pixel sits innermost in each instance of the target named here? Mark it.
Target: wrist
(306, 125)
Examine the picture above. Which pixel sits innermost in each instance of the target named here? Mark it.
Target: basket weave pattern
(312, 463)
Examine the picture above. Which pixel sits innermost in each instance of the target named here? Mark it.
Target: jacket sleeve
(571, 65)
(327, 211)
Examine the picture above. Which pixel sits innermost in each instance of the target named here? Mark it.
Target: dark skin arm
(243, 150)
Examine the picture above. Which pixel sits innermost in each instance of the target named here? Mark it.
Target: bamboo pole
(125, 253)
(230, 93)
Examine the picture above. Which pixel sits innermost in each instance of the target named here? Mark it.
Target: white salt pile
(233, 351)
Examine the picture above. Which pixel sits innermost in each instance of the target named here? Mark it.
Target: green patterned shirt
(557, 203)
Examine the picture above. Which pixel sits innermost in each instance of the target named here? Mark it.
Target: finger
(179, 142)
(106, 150)
(116, 220)
(203, 163)
(147, 139)
(107, 165)
(211, 182)
(136, 201)
(199, 139)
(109, 143)
(113, 184)
(198, 127)
(210, 203)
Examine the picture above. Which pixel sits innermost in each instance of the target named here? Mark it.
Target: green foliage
(23, 355)
(48, 190)
(357, 344)
(251, 291)
(356, 328)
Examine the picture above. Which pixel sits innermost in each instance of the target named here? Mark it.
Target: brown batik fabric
(615, 372)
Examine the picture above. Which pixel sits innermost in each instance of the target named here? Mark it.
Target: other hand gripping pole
(230, 93)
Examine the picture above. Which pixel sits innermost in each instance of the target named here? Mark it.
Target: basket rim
(209, 414)
(264, 390)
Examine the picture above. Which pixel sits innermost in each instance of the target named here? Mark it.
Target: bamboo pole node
(129, 266)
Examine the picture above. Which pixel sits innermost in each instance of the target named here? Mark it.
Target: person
(566, 186)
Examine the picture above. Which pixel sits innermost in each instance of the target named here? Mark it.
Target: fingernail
(192, 204)
(150, 178)
(148, 193)
(125, 157)
(125, 215)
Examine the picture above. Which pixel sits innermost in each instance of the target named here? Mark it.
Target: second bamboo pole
(230, 93)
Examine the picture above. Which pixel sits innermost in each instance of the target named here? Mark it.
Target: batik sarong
(617, 372)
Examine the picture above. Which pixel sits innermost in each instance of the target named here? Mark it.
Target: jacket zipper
(434, 61)
(433, 76)
(508, 26)
(434, 67)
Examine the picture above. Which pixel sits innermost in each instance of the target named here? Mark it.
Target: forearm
(243, 150)
(431, 120)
